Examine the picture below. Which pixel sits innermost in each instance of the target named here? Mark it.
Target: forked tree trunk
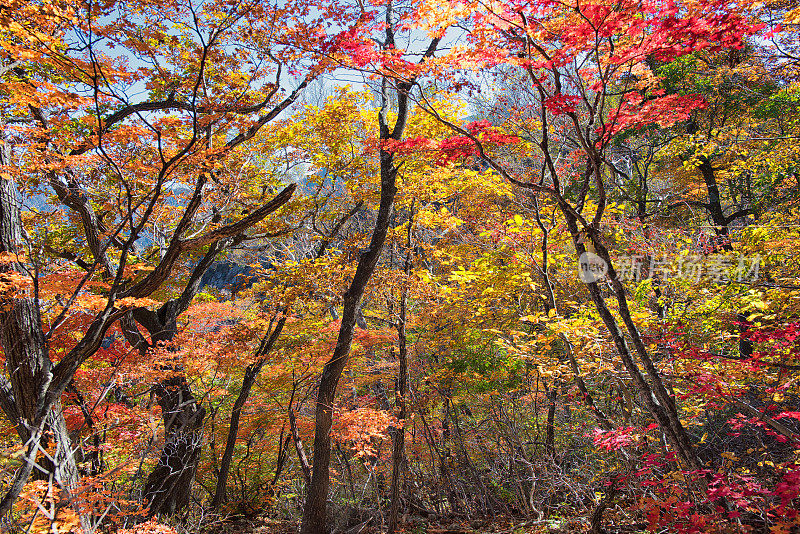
(648, 384)
(168, 486)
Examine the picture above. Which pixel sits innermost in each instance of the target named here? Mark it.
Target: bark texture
(38, 418)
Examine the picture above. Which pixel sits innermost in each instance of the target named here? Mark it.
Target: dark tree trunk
(550, 434)
(283, 455)
(745, 343)
(649, 384)
(314, 513)
(250, 375)
(168, 486)
(399, 435)
(315, 510)
(549, 304)
(39, 420)
(714, 207)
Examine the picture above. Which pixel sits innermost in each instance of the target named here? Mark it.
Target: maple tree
(575, 94)
(584, 105)
(391, 129)
(159, 166)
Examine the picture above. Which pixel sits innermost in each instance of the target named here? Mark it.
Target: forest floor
(417, 525)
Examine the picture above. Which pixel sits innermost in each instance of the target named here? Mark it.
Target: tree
(140, 183)
(588, 91)
(314, 512)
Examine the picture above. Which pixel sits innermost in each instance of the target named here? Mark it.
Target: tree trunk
(250, 375)
(298, 445)
(283, 454)
(399, 435)
(30, 371)
(169, 485)
(315, 510)
(649, 385)
(314, 513)
(550, 434)
(714, 207)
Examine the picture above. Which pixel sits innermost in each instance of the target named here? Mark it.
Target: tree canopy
(399, 266)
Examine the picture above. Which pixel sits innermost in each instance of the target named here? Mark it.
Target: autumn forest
(383, 266)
